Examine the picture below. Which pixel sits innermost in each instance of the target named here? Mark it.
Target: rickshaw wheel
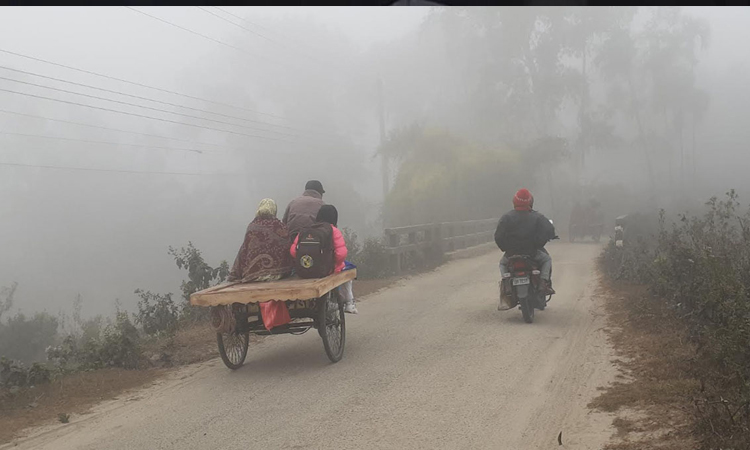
(233, 348)
(333, 326)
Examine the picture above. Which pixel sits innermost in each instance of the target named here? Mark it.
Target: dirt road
(429, 363)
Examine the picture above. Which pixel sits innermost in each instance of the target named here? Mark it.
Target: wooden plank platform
(287, 289)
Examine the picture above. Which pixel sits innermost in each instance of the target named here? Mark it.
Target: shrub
(200, 276)
(700, 265)
(120, 345)
(117, 346)
(371, 259)
(6, 298)
(25, 339)
(157, 313)
(15, 373)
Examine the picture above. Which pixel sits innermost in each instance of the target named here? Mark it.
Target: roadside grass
(653, 398)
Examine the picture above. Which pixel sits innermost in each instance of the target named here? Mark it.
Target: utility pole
(383, 157)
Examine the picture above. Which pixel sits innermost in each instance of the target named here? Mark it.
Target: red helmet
(523, 200)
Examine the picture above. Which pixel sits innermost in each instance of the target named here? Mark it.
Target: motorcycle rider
(523, 231)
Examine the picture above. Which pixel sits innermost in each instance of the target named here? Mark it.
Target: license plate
(520, 280)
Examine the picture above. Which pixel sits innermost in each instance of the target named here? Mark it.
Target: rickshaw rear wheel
(332, 325)
(233, 348)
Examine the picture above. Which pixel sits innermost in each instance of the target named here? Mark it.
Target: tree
(6, 298)
(673, 39)
(445, 178)
(652, 69)
(584, 31)
(200, 274)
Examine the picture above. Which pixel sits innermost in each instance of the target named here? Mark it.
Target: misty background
(197, 113)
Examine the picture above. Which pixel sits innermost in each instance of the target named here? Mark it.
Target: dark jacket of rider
(523, 232)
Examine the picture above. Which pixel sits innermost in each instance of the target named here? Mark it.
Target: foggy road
(429, 363)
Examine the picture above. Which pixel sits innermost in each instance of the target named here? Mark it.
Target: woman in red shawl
(264, 255)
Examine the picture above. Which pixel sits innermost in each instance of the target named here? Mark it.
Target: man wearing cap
(303, 210)
(524, 231)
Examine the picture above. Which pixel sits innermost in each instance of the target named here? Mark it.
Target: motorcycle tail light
(520, 274)
(520, 265)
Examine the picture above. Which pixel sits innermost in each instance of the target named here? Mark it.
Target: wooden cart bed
(288, 289)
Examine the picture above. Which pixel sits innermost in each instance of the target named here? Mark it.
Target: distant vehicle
(585, 222)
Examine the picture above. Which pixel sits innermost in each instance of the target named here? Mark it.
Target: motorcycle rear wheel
(527, 309)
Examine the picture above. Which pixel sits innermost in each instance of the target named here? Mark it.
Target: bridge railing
(441, 237)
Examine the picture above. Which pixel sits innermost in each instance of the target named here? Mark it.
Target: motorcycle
(525, 281)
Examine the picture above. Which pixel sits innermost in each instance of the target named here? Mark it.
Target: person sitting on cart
(302, 211)
(330, 215)
(264, 254)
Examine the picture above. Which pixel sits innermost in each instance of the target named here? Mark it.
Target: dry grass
(75, 394)
(653, 399)
(190, 344)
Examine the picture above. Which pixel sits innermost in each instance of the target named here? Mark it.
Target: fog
(196, 114)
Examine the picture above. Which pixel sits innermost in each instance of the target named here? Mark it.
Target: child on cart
(328, 214)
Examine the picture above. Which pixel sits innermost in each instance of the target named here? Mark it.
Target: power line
(251, 23)
(140, 84)
(115, 129)
(144, 107)
(208, 37)
(141, 115)
(308, 48)
(9, 133)
(134, 83)
(240, 26)
(251, 31)
(86, 169)
(150, 99)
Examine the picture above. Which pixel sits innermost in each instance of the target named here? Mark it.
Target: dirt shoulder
(653, 397)
(77, 393)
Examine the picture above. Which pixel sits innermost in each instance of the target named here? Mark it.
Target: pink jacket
(339, 249)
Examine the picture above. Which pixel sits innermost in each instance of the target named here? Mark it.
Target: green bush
(6, 298)
(200, 276)
(26, 338)
(371, 259)
(15, 373)
(157, 313)
(118, 345)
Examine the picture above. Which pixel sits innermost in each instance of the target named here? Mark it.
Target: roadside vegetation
(51, 366)
(680, 299)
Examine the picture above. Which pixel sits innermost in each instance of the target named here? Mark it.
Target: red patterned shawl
(264, 254)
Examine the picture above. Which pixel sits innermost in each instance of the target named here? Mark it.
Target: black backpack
(315, 251)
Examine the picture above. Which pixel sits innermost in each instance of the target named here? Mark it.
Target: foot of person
(350, 308)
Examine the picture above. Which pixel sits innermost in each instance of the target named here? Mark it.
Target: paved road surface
(429, 363)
